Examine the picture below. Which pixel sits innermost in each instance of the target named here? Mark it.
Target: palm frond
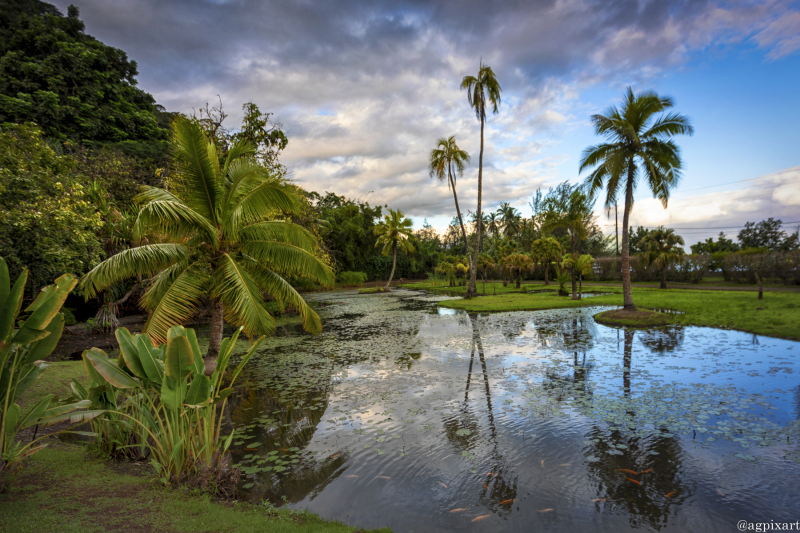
(280, 289)
(241, 297)
(198, 178)
(168, 216)
(174, 296)
(289, 260)
(140, 261)
(252, 206)
(279, 231)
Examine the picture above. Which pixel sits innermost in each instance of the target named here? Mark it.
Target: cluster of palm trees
(638, 145)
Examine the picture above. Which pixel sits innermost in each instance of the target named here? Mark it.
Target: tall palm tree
(447, 161)
(482, 91)
(639, 143)
(494, 224)
(662, 247)
(546, 250)
(393, 233)
(219, 236)
(511, 219)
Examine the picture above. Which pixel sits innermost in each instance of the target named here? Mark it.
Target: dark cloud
(365, 88)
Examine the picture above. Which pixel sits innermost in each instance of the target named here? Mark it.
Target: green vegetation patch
(372, 290)
(638, 318)
(54, 380)
(65, 489)
(777, 315)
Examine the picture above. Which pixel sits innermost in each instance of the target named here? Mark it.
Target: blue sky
(365, 88)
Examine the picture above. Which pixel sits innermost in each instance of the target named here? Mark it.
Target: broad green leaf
(11, 306)
(5, 281)
(44, 347)
(171, 394)
(36, 412)
(111, 372)
(179, 358)
(199, 390)
(89, 367)
(11, 420)
(26, 335)
(51, 304)
(176, 331)
(128, 348)
(148, 357)
(28, 374)
(199, 364)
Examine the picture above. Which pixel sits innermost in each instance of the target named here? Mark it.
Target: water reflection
(398, 415)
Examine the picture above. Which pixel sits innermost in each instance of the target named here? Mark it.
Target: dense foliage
(70, 84)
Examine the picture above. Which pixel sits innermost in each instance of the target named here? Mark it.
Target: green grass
(67, 490)
(491, 288)
(55, 380)
(640, 318)
(780, 316)
(371, 290)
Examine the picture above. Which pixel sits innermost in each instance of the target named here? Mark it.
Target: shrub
(352, 279)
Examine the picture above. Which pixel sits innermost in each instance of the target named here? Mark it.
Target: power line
(705, 229)
(741, 181)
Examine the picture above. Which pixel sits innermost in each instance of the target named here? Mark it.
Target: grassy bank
(779, 316)
(67, 490)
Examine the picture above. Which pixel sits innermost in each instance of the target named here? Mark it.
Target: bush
(352, 279)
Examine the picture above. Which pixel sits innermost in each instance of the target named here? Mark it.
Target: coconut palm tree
(219, 237)
(447, 161)
(510, 218)
(662, 247)
(546, 250)
(494, 224)
(393, 233)
(639, 144)
(482, 91)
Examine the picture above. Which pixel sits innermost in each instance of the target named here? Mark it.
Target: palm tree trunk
(394, 264)
(664, 278)
(547, 272)
(519, 277)
(460, 220)
(217, 324)
(572, 270)
(627, 294)
(472, 291)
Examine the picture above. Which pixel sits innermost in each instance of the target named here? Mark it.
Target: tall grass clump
(352, 279)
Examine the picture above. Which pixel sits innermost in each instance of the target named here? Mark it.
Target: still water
(407, 415)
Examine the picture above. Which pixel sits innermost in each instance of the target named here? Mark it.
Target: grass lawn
(65, 489)
(780, 316)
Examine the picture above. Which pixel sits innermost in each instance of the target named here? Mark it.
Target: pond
(420, 418)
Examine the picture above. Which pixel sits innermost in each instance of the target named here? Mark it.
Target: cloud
(364, 89)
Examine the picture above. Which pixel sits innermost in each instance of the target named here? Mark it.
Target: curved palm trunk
(460, 220)
(664, 278)
(472, 291)
(394, 264)
(627, 294)
(217, 324)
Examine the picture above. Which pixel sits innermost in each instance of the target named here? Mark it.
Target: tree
(546, 251)
(767, 234)
(482, 91)
(447, 161)
(221, 234)
(494, 224)
(574, 213)
(517, 262)
(70, 84)
(710, 246)
(638, 145)
(662, 247)
(510, 219)
(635, 239)
(580, 265)
(485, 262)
(393, 233)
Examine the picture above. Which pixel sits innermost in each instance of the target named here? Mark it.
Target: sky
(365, 89)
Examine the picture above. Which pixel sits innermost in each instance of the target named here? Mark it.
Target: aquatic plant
(171, 404)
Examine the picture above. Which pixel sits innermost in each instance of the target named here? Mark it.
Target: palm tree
(516, 263)
(511, 219)
(494, 224)
(637, 145)
(485, 262)
(447, 161)
(481, 90)
(573, 213)
(393, 233)
(546, 250)
(579, 265)
(218, 235)
(662, 247)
